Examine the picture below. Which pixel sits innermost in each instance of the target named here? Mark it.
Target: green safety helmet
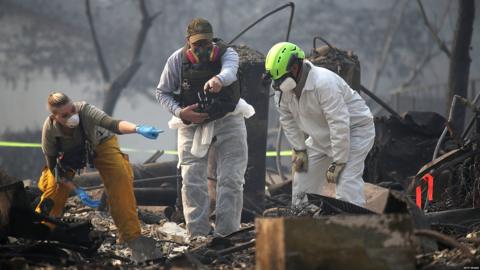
(280, 57)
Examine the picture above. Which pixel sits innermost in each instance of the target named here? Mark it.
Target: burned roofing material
(402, 146)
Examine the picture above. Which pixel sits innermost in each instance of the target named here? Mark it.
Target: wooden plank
(338, 242)
(375, 196)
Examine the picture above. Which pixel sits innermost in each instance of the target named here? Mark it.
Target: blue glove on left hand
(86, 199)
(148, 131)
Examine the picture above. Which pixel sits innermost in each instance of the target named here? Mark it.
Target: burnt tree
(115, 87)
(460, 60)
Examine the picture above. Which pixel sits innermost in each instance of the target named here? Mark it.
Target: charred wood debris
(419, 173)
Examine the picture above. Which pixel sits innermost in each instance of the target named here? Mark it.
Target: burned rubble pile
(344, 63)
(248, 55)
(445, 237)
(86, 238)
(402, 146)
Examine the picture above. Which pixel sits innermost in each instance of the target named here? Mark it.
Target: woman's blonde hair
(57, 100)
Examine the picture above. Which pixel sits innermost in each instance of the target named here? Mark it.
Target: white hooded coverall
(340, 128)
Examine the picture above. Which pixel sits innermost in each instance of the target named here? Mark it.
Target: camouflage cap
(199, 29)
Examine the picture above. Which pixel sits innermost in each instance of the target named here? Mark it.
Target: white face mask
(73, 121)
(288, 85)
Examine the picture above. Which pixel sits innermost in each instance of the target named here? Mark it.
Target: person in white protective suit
(316, 102)
(199, 87)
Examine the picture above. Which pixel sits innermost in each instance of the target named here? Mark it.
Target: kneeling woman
(75, 134)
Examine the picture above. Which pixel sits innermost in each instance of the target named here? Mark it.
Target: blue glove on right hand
(86, 199)
(148, 131)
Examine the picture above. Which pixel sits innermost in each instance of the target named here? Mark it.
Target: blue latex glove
(85, 198)
(148, 131)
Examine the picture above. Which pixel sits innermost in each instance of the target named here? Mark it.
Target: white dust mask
(73, 121)
(288, 85)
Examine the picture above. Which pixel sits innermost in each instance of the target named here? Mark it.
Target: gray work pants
(232, 156)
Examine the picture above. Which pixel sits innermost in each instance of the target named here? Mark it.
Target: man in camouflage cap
(199, 29)
(199, 86)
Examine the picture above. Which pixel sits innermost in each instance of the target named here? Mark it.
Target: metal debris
(172, 231)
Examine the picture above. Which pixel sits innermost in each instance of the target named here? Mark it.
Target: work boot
(144, 249)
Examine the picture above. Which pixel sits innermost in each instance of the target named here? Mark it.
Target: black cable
(292, 11)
